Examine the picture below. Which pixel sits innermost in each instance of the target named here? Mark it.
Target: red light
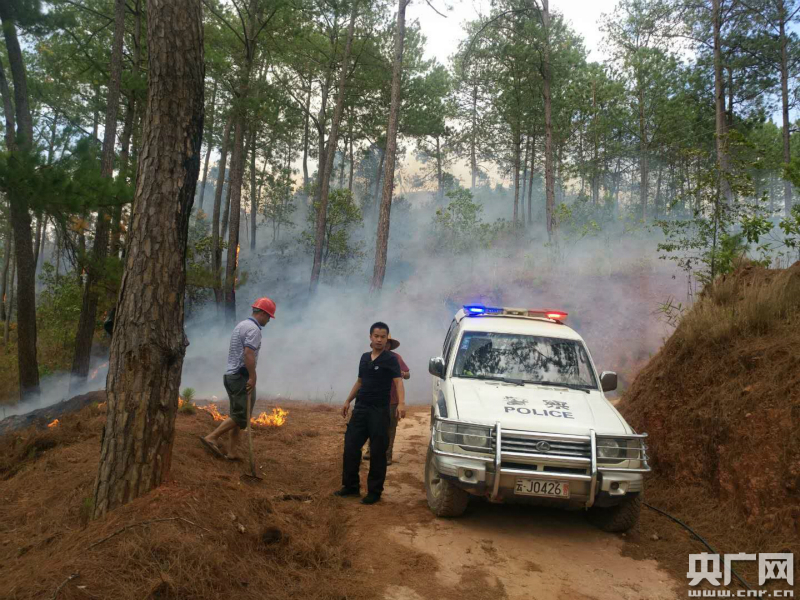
(557, 316)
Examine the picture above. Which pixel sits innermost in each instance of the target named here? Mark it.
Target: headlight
(609, 448)
(475, 436)
(469, 437)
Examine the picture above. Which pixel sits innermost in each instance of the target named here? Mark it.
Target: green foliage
(279, 201)
(188, 394)
(341, 255)
(459, 228)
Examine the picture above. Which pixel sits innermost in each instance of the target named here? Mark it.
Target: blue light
(479, 309)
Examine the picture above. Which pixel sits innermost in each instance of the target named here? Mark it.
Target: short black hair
(378, 325)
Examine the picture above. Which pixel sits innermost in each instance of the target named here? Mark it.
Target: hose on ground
(694, 533)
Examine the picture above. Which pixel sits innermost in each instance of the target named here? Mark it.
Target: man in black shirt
(378, 371)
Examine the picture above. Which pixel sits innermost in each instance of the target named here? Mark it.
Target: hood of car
(536, 407)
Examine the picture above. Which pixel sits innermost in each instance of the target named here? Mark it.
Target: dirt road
(499, 551)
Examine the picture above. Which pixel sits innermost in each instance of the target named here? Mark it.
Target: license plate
(542, 487)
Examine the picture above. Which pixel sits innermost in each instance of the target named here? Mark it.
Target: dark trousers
(366, 423)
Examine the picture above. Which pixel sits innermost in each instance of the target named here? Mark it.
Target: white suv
(519, 415)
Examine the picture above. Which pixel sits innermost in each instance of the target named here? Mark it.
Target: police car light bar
(476, 310)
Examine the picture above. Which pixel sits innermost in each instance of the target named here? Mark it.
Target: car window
(448, 344)
(448, 338)
(534, 359)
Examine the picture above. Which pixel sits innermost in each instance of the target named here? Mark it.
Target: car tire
(444, 498)
(619, 518)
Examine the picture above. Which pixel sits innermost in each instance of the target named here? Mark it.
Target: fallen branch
(116, 533)
(63, 583)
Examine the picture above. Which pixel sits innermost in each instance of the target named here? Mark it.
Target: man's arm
(250, 364)
(401, 397)
(404, 370)
(350, 397)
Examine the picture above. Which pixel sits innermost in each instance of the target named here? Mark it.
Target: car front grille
(528, 445)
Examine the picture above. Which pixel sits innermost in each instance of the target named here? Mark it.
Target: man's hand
(401, 411)
(251, 384)
(345, 408)
(406, 374)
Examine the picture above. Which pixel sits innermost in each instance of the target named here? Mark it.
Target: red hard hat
(265, 304)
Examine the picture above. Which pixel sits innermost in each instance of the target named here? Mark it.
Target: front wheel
(619, 518)
(444, 498)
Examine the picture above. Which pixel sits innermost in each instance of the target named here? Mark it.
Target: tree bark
(330, 152)
(723, 161)
(216, 257)
(524, 178)
(253, 191)
(473, 157)
(787, 153)
(382, 242)
(7, 245)
(20, 216)
(352, 159)
(306, 180)
(96, 266)
(517, 154)
(549, 176)
(9, 305)
(378, 176)
(643, 174)
(530, 178)
(209, 143)
(147, 348)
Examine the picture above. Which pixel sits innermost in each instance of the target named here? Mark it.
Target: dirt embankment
(206, 533)
(721, 404)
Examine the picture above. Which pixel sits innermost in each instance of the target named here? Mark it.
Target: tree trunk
(216, 256)
(96, 266)
(352, 160)
(382, 243)
(209, 144)
(378, 175)
(20, 216)
(549, 176)
(595, 152)
(147, 348)
(473, 157)
(530, 179)
(787, 154)
(643, 174)
(524, 178)
(439, 182)
(37, 242)
(723, 161)
(253, 192)
(517, 154)
(322, 209)
(9, 305)
(7, 245)
(306, 180)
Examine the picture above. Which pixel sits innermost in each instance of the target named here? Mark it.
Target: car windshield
(532, 359)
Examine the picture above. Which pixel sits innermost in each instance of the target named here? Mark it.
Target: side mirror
(608, 381)
(436, 367)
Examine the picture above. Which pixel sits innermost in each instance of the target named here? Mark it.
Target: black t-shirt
(376, 378)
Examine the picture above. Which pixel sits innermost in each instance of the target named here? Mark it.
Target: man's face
(262, 318)
(379, 338)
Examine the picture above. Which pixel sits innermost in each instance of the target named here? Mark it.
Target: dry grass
(244, 540)
(721, 403)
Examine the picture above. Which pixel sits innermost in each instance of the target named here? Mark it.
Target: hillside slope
(721, 401)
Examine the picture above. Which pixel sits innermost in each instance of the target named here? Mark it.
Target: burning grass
(203, 534)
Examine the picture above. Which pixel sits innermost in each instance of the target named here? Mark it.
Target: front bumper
(494, 474)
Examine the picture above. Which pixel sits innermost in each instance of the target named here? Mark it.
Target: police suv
(519, 415)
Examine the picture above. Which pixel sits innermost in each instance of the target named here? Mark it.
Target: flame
(276, 419)
(97, 370)
(53, 424)
(101, 405)
(236, 267)
(213, 411)
(180, 401)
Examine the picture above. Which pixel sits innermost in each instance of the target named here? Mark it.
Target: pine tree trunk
(253, 192)
(37, 243)
(306, 140)
(549, 175)
(787, 151)
(9, 305)
(209, 144)
(147, 348)
(216, 238)
(327, 168)
(352, 160)
(378, 177)
(517, 154)
(530, 178)
(20, 216)
(473, 157)
(439, 181)
(382, 242)
(723, 161)
(96, 266)
(643, 174)
(524, 178)
(7, 246)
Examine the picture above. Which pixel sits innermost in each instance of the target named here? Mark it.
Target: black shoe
(345, 492)
(370, 498)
